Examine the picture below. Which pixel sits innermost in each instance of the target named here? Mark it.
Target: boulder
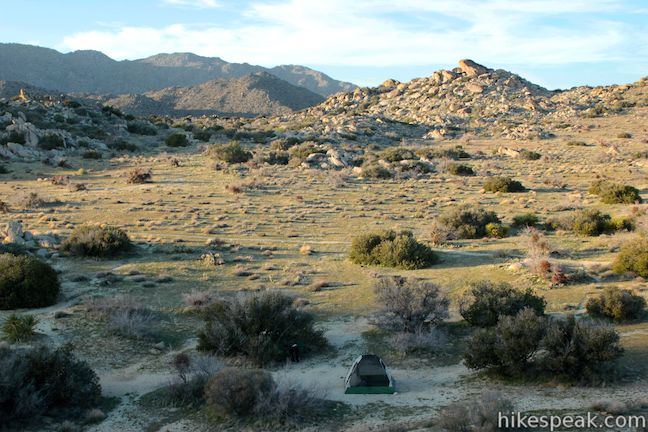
(470, 68)
(14, 232)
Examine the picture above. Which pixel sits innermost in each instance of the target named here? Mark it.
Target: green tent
(368, 375)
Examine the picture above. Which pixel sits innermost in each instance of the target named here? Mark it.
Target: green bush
(614, 193)
(509, 346)
(409, 305)
(17, 328)
(302, 151)
(236, 393)
(39, 381)
(259, 327)
(122, 145)
(455, 153)
(485, 303)
(496, 230)
(14, 137)
(203, 135)
(529, 155)
(525, 220)
(397, 154)
(460, 169)
(91, 154)
(177, 140)
(391, 249)
(591, 222)
(375, 171)
(51, 142)
(231, 153)
(503, 184)
(578, 350)
(633, 257)
(26, 282)
(96, 241)
(141, 128)
(616, 304)
(467, 221)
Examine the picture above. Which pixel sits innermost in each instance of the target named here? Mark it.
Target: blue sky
(555, 43)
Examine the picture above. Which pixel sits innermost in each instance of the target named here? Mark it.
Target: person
(294, 353)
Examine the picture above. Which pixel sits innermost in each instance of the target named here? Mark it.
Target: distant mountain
(256, 94)
(94, 72)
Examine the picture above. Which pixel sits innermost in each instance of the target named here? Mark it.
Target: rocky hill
(257, 94)
(94, 72)
(470, 99)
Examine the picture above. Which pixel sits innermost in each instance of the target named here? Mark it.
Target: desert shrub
(614, 193)
(409, 305)
(51, 142)
(139, 176)
(509, 346)
(485, 303)
(577, 350)
(34, 200)
(283, 144)
(4, 169)
(124, 316)
(454, 153)
(529, 155)
(590, 222)
(26, 282)
(397, 154)
(231, 153)
(40, 381)
(192, 372)
(503, 184)
(18, 328)
(422, 340)
(122, 145)
(276, 158)
(624, 135)
(616, 304)
(302, 151)
(375, 171)
(496, 230)
(460, 169)
(577, 143)
(480, 414)
(236, 392)
(96, 241)
(633, 257)
(91, 154)
(259, 327)
(109, 110)
(467, 221)
(203, 135)
(391, 249)
(525, 220)
(177, 140)
(13, 137)
(13, 248)
(141, 128)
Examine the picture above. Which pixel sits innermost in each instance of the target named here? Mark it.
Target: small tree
(616, 304)
(408, 304)
(26, 282)
(485, 303)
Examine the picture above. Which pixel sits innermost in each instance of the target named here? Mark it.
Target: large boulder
(470, 68)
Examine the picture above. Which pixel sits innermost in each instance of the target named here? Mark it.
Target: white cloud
(367, 32)
(198, 4)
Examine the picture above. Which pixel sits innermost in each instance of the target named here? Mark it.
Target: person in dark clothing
(294, 353)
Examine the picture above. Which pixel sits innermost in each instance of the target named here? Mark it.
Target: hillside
(94, 72)
(468, 100)
(256, 94)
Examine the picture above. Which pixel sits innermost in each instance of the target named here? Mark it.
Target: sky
(554, 43)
